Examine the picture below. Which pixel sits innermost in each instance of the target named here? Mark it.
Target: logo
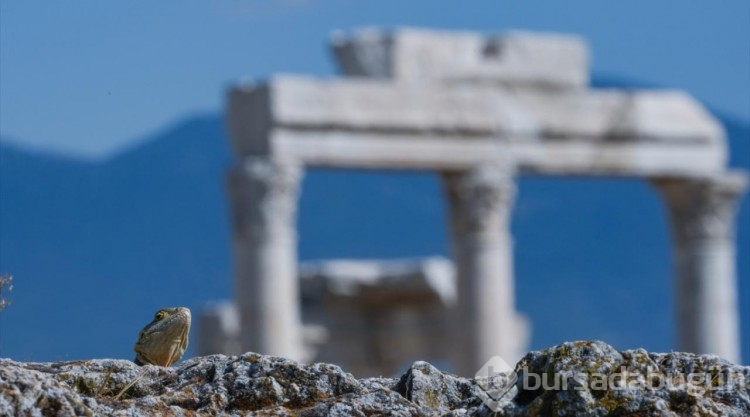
(497, 383)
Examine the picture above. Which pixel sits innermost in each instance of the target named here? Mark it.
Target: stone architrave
(702, 212)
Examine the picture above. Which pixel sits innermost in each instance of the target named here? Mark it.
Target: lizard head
(163, 341)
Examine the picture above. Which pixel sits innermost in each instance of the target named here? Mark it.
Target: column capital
(481, 198)
(264, 194)
(703, 208)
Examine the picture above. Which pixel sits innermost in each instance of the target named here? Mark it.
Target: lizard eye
(160, 315)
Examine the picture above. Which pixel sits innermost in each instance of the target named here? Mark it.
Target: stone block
(384, 124)
(549, 61)
(380, 281)
(219, 329)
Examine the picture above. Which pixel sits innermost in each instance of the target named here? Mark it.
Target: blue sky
(89, 77)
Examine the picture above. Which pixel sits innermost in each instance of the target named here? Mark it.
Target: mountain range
(96, 247)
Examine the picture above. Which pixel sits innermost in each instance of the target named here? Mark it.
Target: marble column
(480, 203)
(702, 212)
(264, 197)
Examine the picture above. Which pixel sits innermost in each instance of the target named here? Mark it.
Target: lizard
(163, 341)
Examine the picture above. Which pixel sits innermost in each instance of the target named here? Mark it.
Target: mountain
(96, 248)
(92, 246)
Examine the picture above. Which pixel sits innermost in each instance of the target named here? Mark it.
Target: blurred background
(113, 155)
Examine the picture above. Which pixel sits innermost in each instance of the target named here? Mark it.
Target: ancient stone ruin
(373, 317)
(480, 111)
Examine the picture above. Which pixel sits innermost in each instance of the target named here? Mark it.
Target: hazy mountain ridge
(96, 247)
(125, 238)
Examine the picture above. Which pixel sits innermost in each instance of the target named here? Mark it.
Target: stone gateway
(481, 111)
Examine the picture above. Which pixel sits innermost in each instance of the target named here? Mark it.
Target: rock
(257, 385)
(642, 383)
(209, 385)
(438, 392)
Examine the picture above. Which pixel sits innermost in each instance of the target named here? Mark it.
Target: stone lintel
(317, 105)
(372, 123)
(549, 61)
(582, 157)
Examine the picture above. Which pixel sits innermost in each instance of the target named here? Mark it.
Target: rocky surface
(257, 385)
